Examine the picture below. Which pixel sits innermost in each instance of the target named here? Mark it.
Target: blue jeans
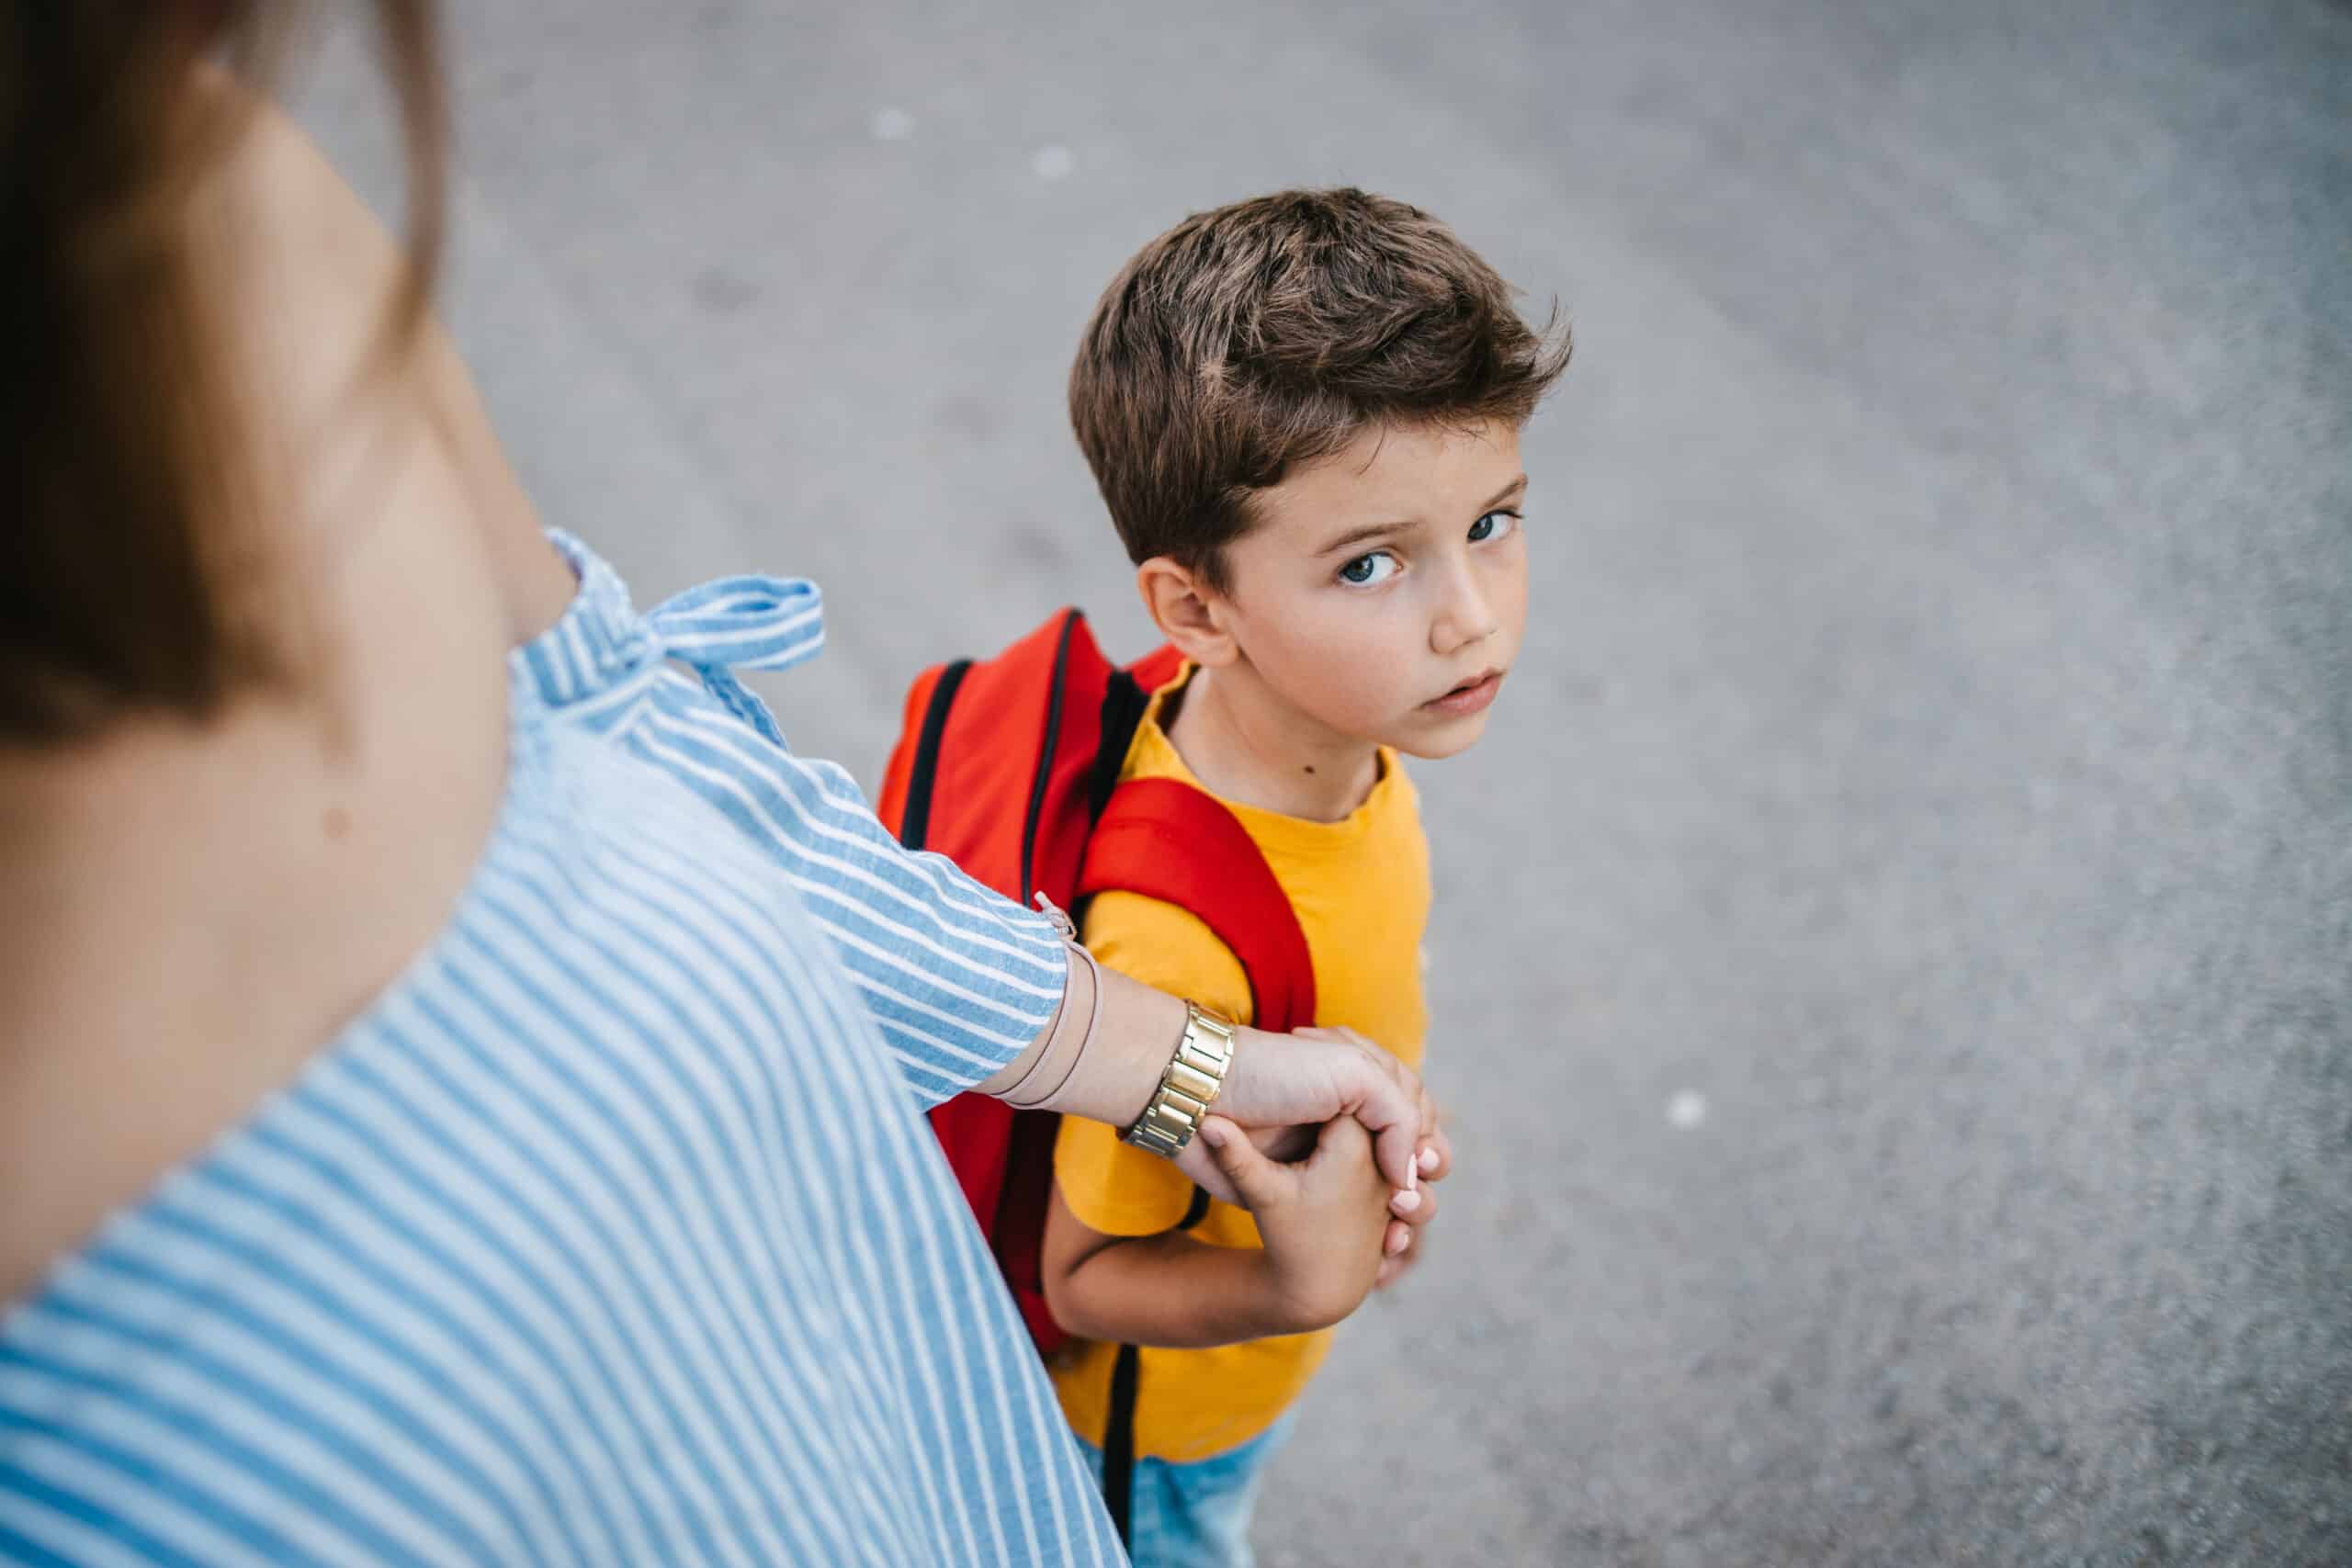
(1197, 1515)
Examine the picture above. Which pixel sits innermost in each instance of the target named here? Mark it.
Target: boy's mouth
(1471, 696)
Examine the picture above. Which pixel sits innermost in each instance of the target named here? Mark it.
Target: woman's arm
(1104, 1065)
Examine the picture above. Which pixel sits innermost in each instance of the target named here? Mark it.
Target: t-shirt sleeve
(1113, 1187)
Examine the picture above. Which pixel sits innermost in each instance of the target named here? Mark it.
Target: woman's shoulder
(617, 838)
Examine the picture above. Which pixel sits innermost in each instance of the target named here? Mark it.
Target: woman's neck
(1249, 745)
(189, 913)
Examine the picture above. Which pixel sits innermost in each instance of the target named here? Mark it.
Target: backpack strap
(1119, 1443)
(1168, 840)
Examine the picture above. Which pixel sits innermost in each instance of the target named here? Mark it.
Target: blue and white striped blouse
(611, 1233)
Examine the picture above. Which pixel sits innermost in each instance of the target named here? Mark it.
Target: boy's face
(1383, 591)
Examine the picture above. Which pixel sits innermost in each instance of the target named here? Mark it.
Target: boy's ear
(1187, 611)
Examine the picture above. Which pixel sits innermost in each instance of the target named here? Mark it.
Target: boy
(1302, 413)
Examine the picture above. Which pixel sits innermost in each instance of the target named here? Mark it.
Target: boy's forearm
(1172, 1293)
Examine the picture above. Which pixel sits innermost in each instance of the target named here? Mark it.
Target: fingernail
(1406, 1202)
(1215, 1134)
(1428, 1160)
(1398, 1242)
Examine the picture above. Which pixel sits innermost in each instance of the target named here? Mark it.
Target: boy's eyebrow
(1362, 535)
(1503, 495)
(1370, 531)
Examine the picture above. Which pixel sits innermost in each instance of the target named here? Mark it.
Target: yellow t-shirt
(1360, 890)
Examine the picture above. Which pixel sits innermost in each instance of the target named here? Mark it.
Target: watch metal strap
(1194, 1075)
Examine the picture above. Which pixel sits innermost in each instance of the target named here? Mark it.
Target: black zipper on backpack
(1045, 760)
(915, 823)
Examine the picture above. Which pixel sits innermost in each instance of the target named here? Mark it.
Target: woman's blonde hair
(124, 465)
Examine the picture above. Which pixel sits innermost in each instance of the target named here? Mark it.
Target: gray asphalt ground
(1894, 954)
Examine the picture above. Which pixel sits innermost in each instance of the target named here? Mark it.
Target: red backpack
(1010, 767)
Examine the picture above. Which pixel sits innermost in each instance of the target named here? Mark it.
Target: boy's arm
(1166, 1290)
(1114, 1266)
(1322, 1220)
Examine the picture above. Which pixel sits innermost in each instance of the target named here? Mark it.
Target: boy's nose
(1465, 619)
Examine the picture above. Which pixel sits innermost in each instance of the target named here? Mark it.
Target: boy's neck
(1248, 745)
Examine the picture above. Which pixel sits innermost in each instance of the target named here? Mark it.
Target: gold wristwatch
(1190, 1085)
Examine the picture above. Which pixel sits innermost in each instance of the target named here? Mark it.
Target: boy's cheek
(1356, 669)
(1354, 690)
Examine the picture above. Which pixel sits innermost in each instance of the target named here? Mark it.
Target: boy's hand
(1324, 1220)
(1403, 1247)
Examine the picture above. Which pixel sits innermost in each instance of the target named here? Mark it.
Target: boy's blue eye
(1365, 570)
(1493, 526)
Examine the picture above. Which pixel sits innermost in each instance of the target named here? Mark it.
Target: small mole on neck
(1310, 767)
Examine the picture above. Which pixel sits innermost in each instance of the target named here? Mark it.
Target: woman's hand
(1285, 1081)
(1402, 1249)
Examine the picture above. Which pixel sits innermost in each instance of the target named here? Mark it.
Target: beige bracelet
(1066, 1046)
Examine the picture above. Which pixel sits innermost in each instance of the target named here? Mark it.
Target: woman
(456, 1108)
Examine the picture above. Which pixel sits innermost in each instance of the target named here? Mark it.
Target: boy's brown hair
(1270, 332)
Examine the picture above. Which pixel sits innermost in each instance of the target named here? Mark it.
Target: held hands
(1285, 1081)
(1281, 1087)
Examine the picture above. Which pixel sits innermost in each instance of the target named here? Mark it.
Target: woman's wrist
(1188, 1086)
(1031, 1080)
(1110, 1069)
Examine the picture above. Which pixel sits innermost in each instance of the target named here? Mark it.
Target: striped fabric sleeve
(960, 979)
